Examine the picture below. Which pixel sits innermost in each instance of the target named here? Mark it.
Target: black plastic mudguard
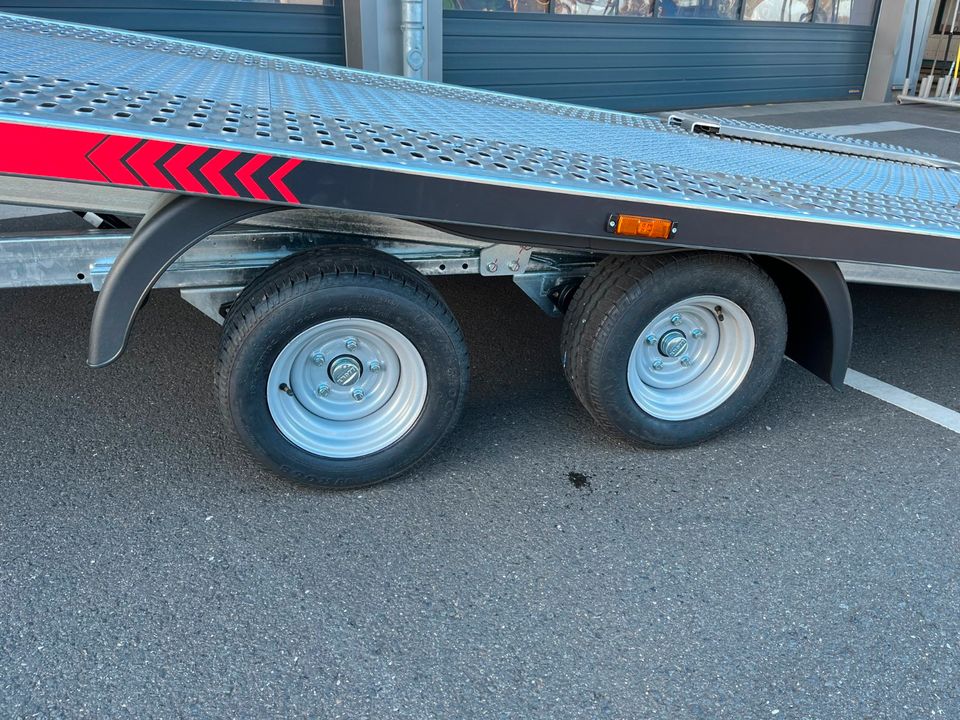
(819, 313)
(170, 228)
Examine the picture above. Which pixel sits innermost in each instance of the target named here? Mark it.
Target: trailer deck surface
(102, 106)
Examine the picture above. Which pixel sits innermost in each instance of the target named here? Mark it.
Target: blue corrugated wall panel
(310, 32)
(642, 64)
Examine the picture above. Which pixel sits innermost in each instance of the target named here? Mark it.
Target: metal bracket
(504, 259)
(542, 287)
(209, 300)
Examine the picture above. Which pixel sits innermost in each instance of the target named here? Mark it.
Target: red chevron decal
(178, 167)
(85, 156)
(213, 167)
(279, 175)
(245, 176)
(108, 158)
(144, 162)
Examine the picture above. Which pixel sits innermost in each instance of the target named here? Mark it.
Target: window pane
(717, 9)
(636, 7)
(778, 10)
(844, 12)
(603, 7)
(943, 25)
(498, 5)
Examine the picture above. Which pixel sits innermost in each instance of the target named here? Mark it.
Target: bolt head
(358, 394)
(697, 333)
(350, 343)
(492, 267)
(375, 366)
(651, 339)
(685, 361)
(323, 390)
(675, 319)
(657, 364)
(318, 358)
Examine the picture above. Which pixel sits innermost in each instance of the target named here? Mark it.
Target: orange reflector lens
(637, 226)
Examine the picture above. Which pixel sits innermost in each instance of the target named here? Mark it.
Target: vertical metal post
(411, 26)
(908, 80)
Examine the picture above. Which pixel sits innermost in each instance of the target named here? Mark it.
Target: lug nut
(651, 339)
(350, 343)
(357, 394)
(697, 333)
(657, 364)
(675, 319)
(375, 366)
(318, 358)
(685, 361)
(323, 390)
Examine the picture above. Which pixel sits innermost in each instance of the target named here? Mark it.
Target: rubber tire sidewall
(251, 364)
(753, 291)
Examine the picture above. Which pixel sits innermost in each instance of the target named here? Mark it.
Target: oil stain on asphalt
(580, 481)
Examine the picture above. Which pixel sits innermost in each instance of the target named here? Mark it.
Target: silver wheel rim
(347, 388)
(691, 358)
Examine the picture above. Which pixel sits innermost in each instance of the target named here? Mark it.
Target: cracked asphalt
(803, 565)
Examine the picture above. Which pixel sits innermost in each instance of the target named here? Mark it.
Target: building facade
(635, 55)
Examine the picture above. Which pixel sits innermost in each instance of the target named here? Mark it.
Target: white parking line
(942, 416)
(877, 127)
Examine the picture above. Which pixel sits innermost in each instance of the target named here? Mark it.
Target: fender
(171, 227)
(819, 314)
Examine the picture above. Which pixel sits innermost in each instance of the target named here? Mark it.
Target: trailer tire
(340, 368)
(669, 350)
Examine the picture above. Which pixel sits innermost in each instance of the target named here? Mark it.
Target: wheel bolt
(675, 319)
(323, 390)
(651, 339)
(657, 364)
(318, 358)
(357, 394)
(697, 333)
(375, 366)
(350, 343)
(685, 361)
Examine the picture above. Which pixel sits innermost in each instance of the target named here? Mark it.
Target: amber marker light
(638, 226)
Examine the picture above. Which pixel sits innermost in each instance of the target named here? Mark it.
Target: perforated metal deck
(115, 84)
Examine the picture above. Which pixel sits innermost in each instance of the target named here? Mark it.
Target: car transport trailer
(302, 205)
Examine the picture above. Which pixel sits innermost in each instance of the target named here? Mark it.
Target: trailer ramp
(105, 107)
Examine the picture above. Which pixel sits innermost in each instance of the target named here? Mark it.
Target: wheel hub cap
(691, 358)
(345, 370)
(673, 344)
(357, 413)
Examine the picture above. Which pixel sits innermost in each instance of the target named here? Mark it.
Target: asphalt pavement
(803, 565)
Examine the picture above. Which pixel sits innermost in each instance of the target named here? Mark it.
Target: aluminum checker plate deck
(94, 105)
